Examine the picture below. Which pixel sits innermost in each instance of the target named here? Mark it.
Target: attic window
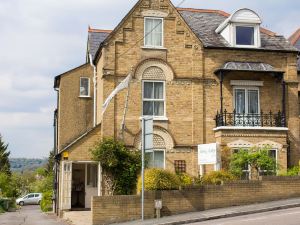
(244, 35)
(241, 29)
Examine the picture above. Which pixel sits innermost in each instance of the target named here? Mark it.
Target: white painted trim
(164, 117)
(162, 30)
(256, 33)
(154, 13)
(256, 83)
(250, 128)
(89, 88)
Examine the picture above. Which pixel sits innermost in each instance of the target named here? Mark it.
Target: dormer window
(244, 35)
(241, 29)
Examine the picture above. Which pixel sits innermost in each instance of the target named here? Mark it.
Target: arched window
(154, 102)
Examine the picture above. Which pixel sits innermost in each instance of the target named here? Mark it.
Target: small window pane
(84, 86)
(149, 159)
(158, 90)
(148, 108)
(244, 35)
(253, 101)
(153, 32)
(159, 159)
(158, 108)
(148, 90)
(240, 101)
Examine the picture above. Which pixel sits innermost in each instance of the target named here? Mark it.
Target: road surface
(280, 217)
(29, 215)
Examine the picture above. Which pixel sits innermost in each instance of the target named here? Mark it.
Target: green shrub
(159, 179)
(7, 203)
(217, 177)
(185, 179)
(120, 165)
(46, 203)
(294, 171)
(1, 209)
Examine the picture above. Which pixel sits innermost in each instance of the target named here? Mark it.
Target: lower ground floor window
(155, 159)
(262, 172)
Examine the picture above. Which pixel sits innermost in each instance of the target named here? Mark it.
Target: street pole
(143, 164)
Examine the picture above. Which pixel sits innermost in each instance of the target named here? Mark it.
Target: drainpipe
(95, 87)
(57, 159)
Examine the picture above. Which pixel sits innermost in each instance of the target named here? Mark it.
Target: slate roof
(205, 22)
(295, 40)
(95, 38)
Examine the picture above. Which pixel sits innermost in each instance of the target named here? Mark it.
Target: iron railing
(251, 120)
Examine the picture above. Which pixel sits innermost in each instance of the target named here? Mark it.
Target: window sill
(246, 46)
(163, 118)
(84, 96)
(153, 48)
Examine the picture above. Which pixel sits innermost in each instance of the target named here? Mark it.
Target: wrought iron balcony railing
(251, 120)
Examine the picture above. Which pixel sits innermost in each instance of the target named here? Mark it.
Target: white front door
(91, 182)
(66, 185)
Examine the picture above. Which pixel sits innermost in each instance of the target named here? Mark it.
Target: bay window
(153, 98)
(153, 32)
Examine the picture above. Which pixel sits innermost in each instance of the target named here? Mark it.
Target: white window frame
(89, 88)
(159, 150)
(257, 41)
(162, 30)
(148, 99)
(246, 88)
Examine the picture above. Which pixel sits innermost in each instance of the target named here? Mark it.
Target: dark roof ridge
(221, 12)
(294, 37)
(94, 30)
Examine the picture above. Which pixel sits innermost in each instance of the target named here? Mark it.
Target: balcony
(250, 120)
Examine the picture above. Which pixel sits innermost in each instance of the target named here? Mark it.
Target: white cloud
(41, 39)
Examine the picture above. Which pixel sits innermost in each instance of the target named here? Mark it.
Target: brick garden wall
(111, 209)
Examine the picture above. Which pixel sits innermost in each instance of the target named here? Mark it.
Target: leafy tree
(257, 159)
(50, 163)
(120, 166)
(4, 158)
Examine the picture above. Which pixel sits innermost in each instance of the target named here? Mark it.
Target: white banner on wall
(208, 154)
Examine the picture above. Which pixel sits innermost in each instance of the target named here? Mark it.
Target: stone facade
(192, 93)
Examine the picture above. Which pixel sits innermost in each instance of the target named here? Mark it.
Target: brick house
(204, 75)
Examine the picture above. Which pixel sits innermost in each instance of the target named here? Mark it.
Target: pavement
(30, 215)
(214, 214)
(278, 217)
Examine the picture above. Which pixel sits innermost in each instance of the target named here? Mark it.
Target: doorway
(79, 184)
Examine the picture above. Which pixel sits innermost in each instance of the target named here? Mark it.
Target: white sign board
(207, 154)
(148, 134)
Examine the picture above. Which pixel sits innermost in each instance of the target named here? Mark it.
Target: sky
(40, 39)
